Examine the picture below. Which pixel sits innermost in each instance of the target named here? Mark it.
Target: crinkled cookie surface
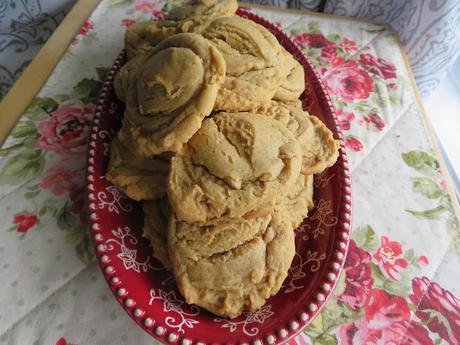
(319, 148)
(138, 177)
(157, 214)
(240, 276)
(172, 92)
(236, 165)
(191, 16)
(293, 79)
(215, 143)
(300, 200)
(252, 55)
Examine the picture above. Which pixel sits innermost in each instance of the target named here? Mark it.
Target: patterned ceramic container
(148, 292)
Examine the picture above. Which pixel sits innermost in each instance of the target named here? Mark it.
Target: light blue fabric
(275, 3)
(24, 26)
(429, 30)
(308, 5)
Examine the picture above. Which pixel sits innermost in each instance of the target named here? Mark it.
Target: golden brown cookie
(217, 236)
(252, 56)
(126, 76)
(203, 8)
(300, 200)
(135, 40)
(138, 178)
(157, 213)
(293, 79)
(319, 148)
(237, 164)
(173, 91)
(193, 14)
(156, 32)
(296, 103)
(239, 278)
(322, 152)
(292, 117)
(141, 37)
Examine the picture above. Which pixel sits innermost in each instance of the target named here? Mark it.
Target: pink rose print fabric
(25, 221)
(54, 162)
(389, 258)
(378, 66)
(128, 22)
(359, 83)
(345, 118)
(438, 308)
(348, 81)
(87, 26)
(60, 180)
(149, 7)
(348, 46)
(86, 31)
(66, 131)
(358, 278)
(353, 143)
(380, 291)
(372, 122)
(62, 341)
(144, 10)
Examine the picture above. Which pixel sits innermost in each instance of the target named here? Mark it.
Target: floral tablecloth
(401, 280)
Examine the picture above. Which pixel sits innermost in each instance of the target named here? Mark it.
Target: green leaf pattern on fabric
(26, 165)
(433, 186)
(42, 155)
(366, 238)
(427, 187)
(423, 162)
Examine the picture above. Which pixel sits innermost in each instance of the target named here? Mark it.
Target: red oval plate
(148, 293)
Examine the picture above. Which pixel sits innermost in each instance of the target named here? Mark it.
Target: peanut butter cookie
(252, 56)
(300, 200)
(319, 148)
(236, 165)
(135, 40)
(157, 213)
(126, 76)
(239, 278)
(173, 91)
(292, 80)
(138, 178)
(323, 150)
(141, 37)
(203, 8)
(193, 14)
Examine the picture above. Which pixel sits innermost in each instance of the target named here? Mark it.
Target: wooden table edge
(430, 132)
(37, 73)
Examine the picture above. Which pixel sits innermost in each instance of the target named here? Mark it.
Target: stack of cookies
(215, 143)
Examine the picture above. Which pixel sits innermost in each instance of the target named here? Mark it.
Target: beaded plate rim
(307, 312)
